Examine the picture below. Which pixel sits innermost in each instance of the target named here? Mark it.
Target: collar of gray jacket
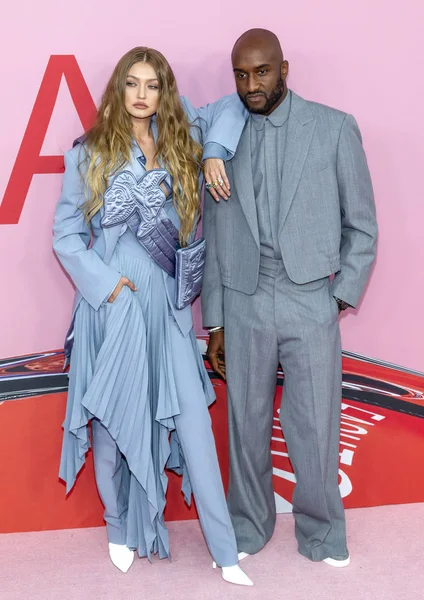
(278, 116)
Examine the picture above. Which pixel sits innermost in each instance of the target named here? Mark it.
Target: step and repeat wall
(365, 59)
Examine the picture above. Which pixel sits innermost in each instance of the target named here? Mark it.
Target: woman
(136, 372)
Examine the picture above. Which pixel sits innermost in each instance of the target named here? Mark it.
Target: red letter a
(28, 162)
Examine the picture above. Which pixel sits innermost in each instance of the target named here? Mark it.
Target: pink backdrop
(364, 57)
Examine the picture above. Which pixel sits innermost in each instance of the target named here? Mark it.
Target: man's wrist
(215, 329)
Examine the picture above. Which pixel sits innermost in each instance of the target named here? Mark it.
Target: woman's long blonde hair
(108, 142)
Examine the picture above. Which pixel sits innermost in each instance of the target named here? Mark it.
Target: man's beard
(271, 99)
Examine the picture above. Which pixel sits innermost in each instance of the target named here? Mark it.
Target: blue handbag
(189, 267)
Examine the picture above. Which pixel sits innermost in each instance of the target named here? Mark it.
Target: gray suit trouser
(195, 435)
(296, 325)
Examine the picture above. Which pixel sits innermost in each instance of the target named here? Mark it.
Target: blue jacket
(85, 250)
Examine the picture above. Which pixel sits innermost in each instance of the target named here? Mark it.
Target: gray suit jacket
(327, 213)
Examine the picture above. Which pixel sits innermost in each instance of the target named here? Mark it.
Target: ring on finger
(208, 186)
(216, 184)
(220, 180)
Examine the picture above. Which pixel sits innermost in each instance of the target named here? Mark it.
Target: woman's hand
(216, 178)
(123, 281)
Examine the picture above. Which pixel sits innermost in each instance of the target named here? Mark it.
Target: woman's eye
(154, 87)
(131, 83)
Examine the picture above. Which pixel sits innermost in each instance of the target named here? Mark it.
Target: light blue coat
(85, 250)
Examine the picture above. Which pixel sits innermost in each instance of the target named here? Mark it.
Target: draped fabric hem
(121, 374)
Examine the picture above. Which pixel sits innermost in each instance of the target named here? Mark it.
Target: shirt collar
(278, 116)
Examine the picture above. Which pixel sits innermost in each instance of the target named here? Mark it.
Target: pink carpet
(386, 546)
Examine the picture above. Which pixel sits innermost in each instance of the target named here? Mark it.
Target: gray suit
(281, 309)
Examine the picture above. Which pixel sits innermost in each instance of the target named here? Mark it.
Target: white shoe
(234, 574)
(338, 563)
(121, 556)
(242, 555)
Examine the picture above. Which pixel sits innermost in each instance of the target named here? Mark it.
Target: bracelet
(213, 329)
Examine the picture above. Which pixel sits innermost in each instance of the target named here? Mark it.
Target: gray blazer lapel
(301, 127)
(242, 168)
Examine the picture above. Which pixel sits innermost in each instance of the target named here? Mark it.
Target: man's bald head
(258, 38)
(260, 70)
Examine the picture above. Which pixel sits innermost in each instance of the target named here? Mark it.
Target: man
(301, 210)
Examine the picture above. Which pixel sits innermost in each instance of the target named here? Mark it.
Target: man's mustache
(256, 94)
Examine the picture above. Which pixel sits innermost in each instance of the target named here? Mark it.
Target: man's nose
(252, 84)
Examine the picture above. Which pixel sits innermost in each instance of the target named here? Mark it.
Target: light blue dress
(137, 374)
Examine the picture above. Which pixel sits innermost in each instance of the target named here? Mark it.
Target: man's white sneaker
(337, 561)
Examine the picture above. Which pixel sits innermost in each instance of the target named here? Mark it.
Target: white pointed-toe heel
(242, 555)
(121, 556)
(234, 574)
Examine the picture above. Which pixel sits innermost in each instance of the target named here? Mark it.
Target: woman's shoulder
(189, 109)
(79, 152)
(193, 118)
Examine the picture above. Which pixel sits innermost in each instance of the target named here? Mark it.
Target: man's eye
(241, 75)
(263, 72)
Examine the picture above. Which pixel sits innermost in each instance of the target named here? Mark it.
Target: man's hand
(341, 304)
(123, 281)
(216, 178)
(216, 352)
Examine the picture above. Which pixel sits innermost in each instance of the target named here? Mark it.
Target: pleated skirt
(122, 374)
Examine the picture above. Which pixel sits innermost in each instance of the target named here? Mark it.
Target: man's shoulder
(320, 111)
